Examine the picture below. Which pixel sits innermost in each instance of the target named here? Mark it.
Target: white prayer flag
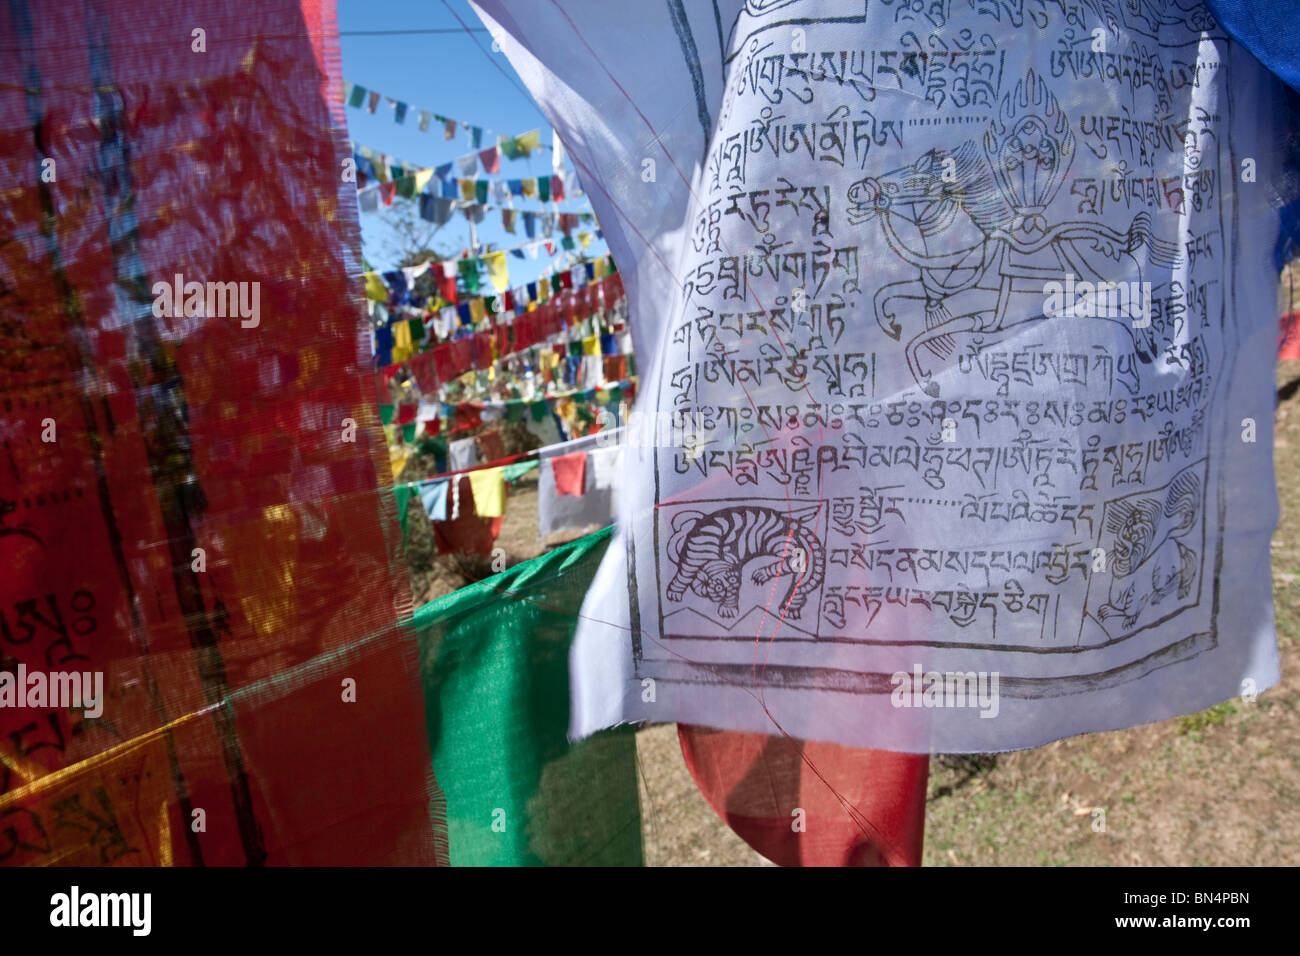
(956, 329)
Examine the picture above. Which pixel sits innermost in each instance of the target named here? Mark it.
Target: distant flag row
(396, 290)
(571, 295)
(439, 209)
(371, 164)
(512, 147)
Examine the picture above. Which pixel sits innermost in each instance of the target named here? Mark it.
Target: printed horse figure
(972, 222)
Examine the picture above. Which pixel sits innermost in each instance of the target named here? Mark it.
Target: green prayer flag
(514, 411)
(469, 272)
(556, 284)
(494, 659)
(538, 411)
(408, 432)
(403, 495)
(566, 242)
(406, 187)
(386, 414)
(481, 190)
(358, 96)
(520, 468)
(509, 148)
(544, 188)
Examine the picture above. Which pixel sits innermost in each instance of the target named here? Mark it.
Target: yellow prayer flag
(528, 141)
(375, 288)
(601, 269)
(397, 458)
(476, 310)
(467, 190)
(489, 487)
(530, 188)
(401, 335)
(584, 239)
(591, 345)
(422, 179)
(498, 271)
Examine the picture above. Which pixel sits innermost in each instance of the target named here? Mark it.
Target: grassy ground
(1221, 787)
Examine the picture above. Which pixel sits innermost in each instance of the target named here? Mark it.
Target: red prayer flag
(856, 807)
(446, 284)
(482, 349)
(1288, 348)
(490, 446)
(570, 473)
(467, 534)
(423, 371)
(461, 357)
(467, 415)
(203, 526)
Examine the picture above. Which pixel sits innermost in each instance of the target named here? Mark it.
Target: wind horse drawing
(973, 222)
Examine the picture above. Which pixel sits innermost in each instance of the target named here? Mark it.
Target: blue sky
(451, 74)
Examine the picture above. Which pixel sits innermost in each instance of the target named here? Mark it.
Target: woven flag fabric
(801, 803)
(494, 657)
(190, 511)
(956, 327)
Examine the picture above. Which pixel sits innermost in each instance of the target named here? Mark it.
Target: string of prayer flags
(374, 165)
(520, 146)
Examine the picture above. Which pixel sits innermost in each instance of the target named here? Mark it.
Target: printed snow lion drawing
(711, 551)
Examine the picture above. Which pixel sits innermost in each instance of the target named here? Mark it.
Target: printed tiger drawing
(711, 551)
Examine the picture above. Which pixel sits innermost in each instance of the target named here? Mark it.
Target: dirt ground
(1217, 788)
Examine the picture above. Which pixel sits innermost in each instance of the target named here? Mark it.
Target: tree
(410, 242)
